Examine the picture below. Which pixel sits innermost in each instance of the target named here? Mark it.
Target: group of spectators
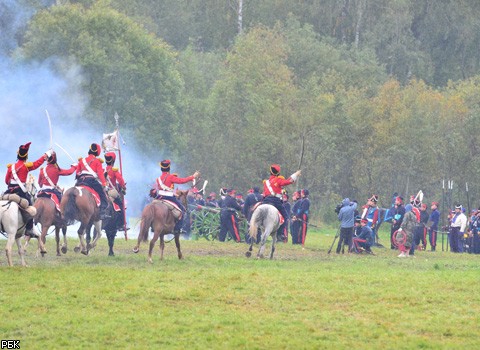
(412, 227)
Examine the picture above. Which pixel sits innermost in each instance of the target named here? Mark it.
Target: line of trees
(382, 95)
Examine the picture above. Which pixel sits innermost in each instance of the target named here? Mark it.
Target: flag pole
(121, 171)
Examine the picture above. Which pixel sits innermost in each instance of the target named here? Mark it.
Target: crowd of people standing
(413, 226)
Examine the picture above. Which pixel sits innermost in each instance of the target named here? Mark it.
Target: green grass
(216, 298)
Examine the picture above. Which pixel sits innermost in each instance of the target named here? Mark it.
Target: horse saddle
(176, 211)
(91, 190)
(51, 195)
(27, 210)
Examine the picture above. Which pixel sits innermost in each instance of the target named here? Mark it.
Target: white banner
(110, 141)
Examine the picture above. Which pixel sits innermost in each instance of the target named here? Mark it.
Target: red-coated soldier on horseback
(49, 175)
(16, 177)
(90, 173)
(165, 188)
(117, 190)
(272, 192)
(115, 181)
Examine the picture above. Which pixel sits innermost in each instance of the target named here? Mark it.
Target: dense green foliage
(383, 96)
(216, 298)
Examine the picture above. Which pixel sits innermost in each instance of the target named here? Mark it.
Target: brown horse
(160, 217)
(47, 215)
(78, 204)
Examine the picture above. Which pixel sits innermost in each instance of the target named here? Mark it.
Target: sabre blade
(50, 127)
(65, 151)
(204, 186)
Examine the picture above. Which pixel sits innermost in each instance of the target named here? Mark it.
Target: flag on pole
(110, 141)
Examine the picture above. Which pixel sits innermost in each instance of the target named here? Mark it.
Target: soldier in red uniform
(272, 192)
(115, 182)
(90, 173)
(165, 184)
(49, 176)
(17, 176)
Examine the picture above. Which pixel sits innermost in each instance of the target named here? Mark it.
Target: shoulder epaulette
(281, 177)
(28, 164)
(79, 159)
(174, 174)
(115, 169)
(264, 180)
(101, 160)
(9, 165)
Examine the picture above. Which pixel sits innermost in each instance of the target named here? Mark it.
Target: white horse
(266, 217)
(11, 222)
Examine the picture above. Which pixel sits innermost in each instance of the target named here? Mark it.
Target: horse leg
(177, 243)
(27, 241)
(64, 245)
(98, 233)
(162, 246)
(263, 241)
(274, 240)
(57, 239)
(152, 245)
(249, 253)
(43, 239)
(81, 232)
(21, 252)
(111, 233)
(88, 235)
(8, 248)
(136, 249)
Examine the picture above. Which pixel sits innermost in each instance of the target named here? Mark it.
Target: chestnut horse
(78, 204)
(158, 216)
(47, 215)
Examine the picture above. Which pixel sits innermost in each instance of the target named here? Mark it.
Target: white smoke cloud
(27, 90)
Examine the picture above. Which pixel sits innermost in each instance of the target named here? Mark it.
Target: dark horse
(111, 225)
(47, 215)
(160, 216)
(79, 204)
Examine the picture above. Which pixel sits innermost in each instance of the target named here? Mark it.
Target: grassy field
(216, 298)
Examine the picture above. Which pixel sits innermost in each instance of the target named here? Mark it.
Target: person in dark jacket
(252, 198)
(365, 238)
(294, 223)
(303, 212)
(346, 215)
(288, 209)
(399, 213)
(228, 217)
(433, 226)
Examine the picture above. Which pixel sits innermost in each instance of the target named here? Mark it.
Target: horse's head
(31, 186)
(182, 196)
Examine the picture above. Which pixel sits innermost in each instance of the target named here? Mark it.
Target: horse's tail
(70, 209)
(40, 208)
(257, 217)
(147, 218)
